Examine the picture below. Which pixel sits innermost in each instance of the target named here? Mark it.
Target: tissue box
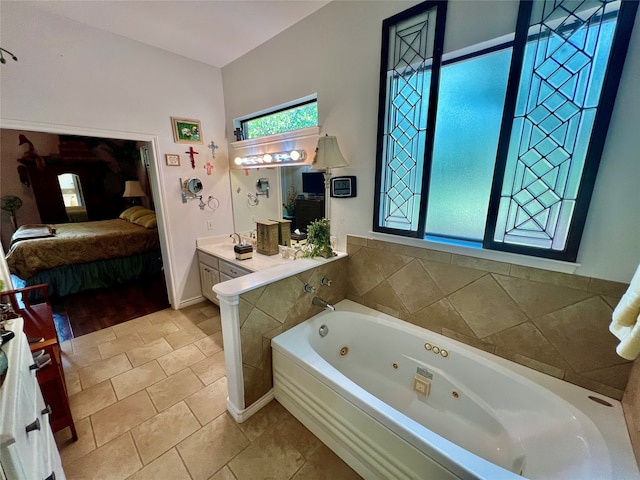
(243, 252)
(298, 239)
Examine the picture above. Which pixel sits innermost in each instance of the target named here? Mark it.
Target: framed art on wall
(172, 160)
(186, 131)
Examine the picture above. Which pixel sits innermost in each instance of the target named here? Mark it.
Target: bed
(73, 257)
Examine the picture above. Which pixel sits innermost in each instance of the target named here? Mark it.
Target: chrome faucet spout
(234, 234)
(318, 302)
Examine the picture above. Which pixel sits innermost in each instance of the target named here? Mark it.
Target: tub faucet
(234, 234)
(318, 302)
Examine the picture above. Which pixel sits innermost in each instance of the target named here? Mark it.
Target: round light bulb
(267, 158)
(237, 161)
(295, 155)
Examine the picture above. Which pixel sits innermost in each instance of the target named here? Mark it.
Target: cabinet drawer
(232, 270)
(209, 260)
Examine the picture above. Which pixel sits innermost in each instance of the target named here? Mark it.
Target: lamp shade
(328, 154)
(132, 188)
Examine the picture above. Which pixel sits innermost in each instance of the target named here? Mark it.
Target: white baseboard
(241, 415)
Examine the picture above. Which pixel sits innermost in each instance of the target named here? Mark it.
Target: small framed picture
(186, 131)
(172, 160)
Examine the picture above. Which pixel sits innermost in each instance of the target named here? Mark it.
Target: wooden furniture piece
(308, 211)
(38, 322)
(27, 447)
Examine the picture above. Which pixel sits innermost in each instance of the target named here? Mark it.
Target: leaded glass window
(499, 145)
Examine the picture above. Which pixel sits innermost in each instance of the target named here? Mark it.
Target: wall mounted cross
(213, 148)
(209, 167)
(191, 153)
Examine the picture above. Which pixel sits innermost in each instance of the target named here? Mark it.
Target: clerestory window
(499, 145)
(281, 120)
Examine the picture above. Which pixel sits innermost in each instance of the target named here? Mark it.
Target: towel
(625, 321)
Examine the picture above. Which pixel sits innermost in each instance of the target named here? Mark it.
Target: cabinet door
(208, 278)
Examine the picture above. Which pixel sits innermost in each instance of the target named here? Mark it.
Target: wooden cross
(209, 167)
(213, 148)
(191, 153)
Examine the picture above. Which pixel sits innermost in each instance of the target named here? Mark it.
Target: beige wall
(275, 308)
(551, 322)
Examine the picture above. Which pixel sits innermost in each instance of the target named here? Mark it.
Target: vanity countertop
(266, 268)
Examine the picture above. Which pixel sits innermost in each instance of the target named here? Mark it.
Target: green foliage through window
(295, 118)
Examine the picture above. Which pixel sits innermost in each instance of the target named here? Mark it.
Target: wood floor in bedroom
(93, 310)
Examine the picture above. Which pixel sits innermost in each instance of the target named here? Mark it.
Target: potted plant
(319, 240)
(290, 204)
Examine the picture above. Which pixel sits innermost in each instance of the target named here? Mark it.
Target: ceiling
(215, 32)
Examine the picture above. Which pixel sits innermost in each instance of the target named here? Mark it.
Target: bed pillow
(147, 221)
(139, 214)
(126, 215)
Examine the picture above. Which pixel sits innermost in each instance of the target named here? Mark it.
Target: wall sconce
(272, 159)
(133, 192)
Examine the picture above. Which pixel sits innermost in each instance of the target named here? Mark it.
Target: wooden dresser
(27, 447)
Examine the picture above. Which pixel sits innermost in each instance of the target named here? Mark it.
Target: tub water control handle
(323, 330)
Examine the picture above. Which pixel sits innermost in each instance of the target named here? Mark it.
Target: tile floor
(148, 397)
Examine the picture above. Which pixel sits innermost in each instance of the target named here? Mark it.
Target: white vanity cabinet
(209, 275)
(215, 270)
(27, 447)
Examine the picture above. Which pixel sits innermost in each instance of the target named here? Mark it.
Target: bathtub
(397, 401)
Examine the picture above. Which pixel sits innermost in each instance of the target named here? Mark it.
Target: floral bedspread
(80, 243)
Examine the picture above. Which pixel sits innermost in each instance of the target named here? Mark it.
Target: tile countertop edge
(260, 278)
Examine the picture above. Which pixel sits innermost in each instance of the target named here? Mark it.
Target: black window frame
(244, 121)
(619, 47)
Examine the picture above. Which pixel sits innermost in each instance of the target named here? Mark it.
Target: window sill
(472, 249)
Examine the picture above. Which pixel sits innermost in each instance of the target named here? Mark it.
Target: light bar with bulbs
(272, 159)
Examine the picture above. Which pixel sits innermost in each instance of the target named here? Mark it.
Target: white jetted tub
(397, 401)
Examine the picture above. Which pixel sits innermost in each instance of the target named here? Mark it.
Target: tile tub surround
(555, 323)
(272, 309)
(169, 377)
(631, 407)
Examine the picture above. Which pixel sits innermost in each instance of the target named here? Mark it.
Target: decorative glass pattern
(562, 75)
(408, 83)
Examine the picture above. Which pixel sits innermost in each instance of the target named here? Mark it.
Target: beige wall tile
(137, 379)
(210, 369)
(363, 275)
(481, 264)
(257, 324)
(164, 431)
(257, 381)
(414, 287)
(244, 309)
(91, 400)
(279, 297)
(546, 276)
(356, 240)
(631, 406)
(450, 278)
(173, 389)
(115, 460)
(221, 439)
(616, 376)
(526, 340)
(252, 296)
(607, 287)
(580, 333)
(531, 363)
(536, 298)
(486, 308)
(469, 340)
(593, 385)
(438, 316)
(103, 370)
(148, 352)
(385, 296)
(209, 402)
(122, 416)
(181, 358)
(168, 465)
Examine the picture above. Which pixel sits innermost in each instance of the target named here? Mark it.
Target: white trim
(232, 353)
(242, 415)
(155, 178)
(471, 250)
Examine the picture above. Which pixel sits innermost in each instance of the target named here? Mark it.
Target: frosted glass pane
(470, 104)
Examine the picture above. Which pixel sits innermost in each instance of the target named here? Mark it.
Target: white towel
(625, 322)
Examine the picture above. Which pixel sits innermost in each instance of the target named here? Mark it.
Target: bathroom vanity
(218, 263)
